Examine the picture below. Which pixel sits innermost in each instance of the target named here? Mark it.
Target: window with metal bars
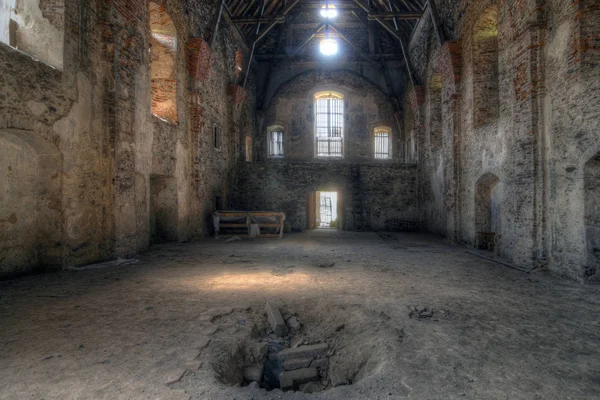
(382, 143)
(329, 124)
(276, 143)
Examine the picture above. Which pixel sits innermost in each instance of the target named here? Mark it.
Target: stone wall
(383, 194)
(117, 160)
(373, 193)
(524, 115)
(365, 107)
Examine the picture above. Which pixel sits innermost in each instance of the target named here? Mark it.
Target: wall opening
(163, 209)
(383, 142)
(30, 203)
(592, 216)
(329, 124)
(327, 210)
(435, 111)
(239, 65)
(275, 140)
(35, 27)
(163, 64)
(487, 212)
(485, 67)
(249, 148)
(216, 136)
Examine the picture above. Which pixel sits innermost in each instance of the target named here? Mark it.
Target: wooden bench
(239, 223)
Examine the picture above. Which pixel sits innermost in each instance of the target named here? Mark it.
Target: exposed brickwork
(199, 59)
(516, 122)
(120, 162)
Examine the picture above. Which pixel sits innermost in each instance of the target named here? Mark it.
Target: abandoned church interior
(290, 199)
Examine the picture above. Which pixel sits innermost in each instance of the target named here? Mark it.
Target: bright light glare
(330, 12)
(328, 47)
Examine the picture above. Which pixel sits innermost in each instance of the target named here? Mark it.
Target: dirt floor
(408, 317)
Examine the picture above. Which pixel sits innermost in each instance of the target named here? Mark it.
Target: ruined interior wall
(571, 128)
(373, 191)
(365, 107)
(544, 132)
(387, 192)
(97, 113)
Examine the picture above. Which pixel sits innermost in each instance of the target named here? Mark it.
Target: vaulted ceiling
(372, 37)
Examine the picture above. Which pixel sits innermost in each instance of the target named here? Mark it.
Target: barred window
(276, 143)
(382, 142)
(329, 124)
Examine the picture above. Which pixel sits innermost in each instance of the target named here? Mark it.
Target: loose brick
(303, 352)
(276, 320)
(297, 363)
(292, 379)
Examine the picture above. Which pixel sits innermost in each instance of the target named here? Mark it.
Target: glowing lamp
(328, 47)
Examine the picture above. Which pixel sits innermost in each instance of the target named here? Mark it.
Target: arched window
(485, 67)
(383, 142)
(329, 124)
(34, 27)
(275, 140)
(163, 65)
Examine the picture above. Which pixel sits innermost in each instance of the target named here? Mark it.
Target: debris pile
(289, 363)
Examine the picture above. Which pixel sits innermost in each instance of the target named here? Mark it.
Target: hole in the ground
(296, 352)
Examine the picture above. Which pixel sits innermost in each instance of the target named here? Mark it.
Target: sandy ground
(115, 333)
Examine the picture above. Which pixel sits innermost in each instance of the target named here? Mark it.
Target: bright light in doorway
(328, 47)
(329, 11)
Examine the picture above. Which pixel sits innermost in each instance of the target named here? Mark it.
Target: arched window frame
(276, 141)
(329, 124)
(164, 38)
(382, 142)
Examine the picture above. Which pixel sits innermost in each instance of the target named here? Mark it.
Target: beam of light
(329, 12)
(328, 47)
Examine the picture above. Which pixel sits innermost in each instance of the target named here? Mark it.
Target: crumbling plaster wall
(97, 113)
(545, 132)
(378, 190)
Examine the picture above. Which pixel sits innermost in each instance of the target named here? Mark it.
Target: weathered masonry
(127, 123)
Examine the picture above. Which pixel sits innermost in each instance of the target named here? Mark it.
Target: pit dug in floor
(295, 351)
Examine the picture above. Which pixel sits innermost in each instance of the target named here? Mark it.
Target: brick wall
(516, 123)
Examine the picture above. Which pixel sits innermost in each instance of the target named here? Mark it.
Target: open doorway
(326, 207)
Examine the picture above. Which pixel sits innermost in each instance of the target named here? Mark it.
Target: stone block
(253, 373)
(296, 363)
(320, 363)
(290, 380)
(311, 351)
(276, 320)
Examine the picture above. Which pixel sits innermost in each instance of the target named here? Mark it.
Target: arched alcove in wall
(487, 210)
(163, 65)
(485, 67)
(592, 215)
(30, 203)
